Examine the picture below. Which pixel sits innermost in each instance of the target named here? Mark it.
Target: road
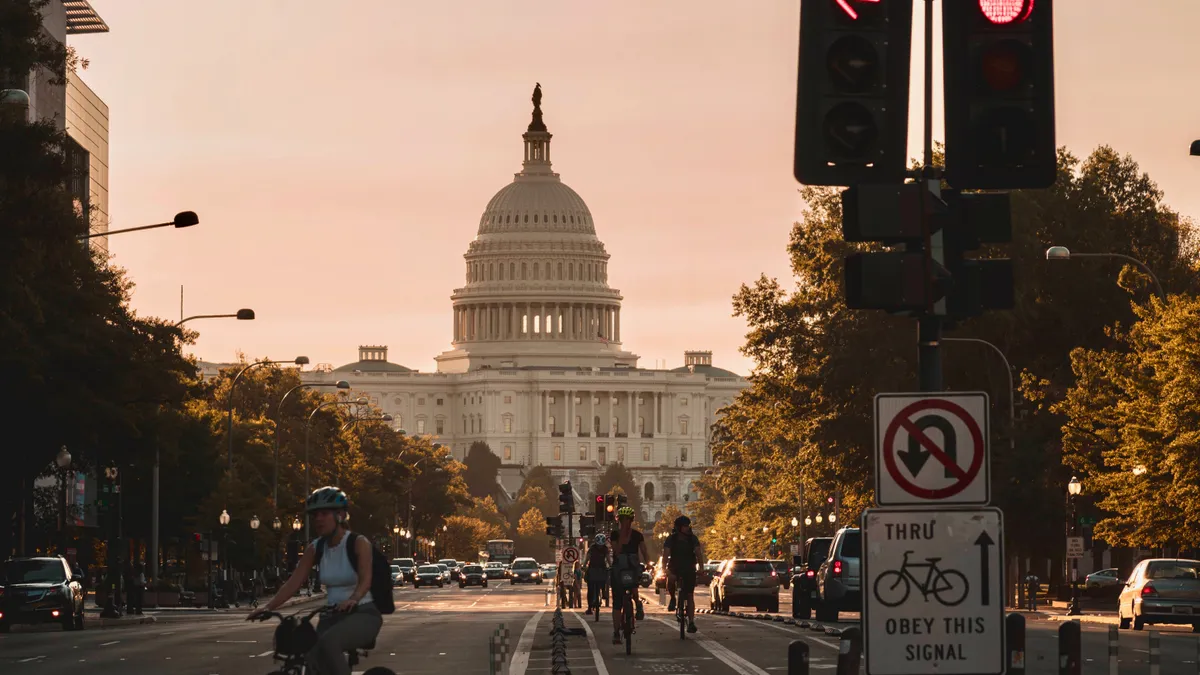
(440, 631)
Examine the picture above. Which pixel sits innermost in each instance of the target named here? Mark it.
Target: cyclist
(597, 572)
(356, 622)
(681, 553)
(629, 552)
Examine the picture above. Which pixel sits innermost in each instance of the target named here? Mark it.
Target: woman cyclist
(356, 622)
(629, 553)
(597, 572)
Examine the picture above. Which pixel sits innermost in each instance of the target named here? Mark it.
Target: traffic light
(852, 93)
(598, 511)
(587, 526)
(566, 500)
(554, 526)
(610, 507)
(622, 500)
(998, 57)
(977, 284)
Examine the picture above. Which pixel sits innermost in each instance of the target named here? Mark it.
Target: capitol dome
(536, 290)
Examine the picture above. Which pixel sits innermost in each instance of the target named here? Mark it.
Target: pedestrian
(137, 589)
(597, 573)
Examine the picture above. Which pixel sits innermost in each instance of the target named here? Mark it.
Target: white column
(588, 423)
(654, 426)
(569, 407)
(631, 425)
(617, 333)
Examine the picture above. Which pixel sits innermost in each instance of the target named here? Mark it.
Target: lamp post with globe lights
(1074, 487)
(223, 568)
(63, 462)
(276, 526)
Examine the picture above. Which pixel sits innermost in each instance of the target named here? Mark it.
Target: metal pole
(1012, 406)
(307, 469)
(154, 489)
(1129, 259)
(1113, 645)
(929, 327)
(1069, 662)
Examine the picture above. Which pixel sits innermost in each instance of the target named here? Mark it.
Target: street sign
(1074, 547)
(933, 591)
(570, 554)
(932, 449)
(795, 549)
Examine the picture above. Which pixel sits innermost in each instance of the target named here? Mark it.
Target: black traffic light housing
(587, 526)
(852, 92)
(566, 499)
(610, 507)
(998, 59)
(598, 512)
(554, 526)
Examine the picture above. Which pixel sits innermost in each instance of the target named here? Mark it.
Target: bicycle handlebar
(326, 609)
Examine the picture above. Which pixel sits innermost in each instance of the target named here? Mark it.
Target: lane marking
(597, 657)
(105, 644)
(237, 642)
(728, 657)
(266, 653)
(789, 631)
(520, 657)
(32, 658)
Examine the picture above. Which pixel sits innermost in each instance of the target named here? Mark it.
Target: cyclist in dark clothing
(597, 572)
(681, 553)
(629, 553)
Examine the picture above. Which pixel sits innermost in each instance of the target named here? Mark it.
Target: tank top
(632, 547)
(337, 575)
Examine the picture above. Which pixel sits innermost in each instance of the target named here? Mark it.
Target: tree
(666, 523)
(485, 509)
(532, 524)
(483, 469)
(465, 537)
(617, 475)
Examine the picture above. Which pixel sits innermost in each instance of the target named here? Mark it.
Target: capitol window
(399, 420)
(508, 424)
(464, 424)
(524, 273)
(683, 453)
(552, 424)
(641, 425)
(683, 426)
(439, 401)
(578, 422)
(512, 270)
(683, 401)
(508, 452)
(440, 426)
(620, 454)
(646, 449)
(508, 398)
(421, 401)
(557, 453)
(420, 426)
(583, 453)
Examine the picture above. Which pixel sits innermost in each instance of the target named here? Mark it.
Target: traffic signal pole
(929, 325)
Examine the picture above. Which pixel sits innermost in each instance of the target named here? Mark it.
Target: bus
(500, 550)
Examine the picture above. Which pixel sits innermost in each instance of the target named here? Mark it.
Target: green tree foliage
(483, 467)
(617, 475)
(805, 426)
(666, 522)
(465, 537)
(532, 524)
(485, 509)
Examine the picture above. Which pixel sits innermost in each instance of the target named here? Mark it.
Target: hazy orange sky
(340, 154)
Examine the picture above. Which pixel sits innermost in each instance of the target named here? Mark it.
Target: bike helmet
(601, 540)
(625, 512)
(682, 522)
(327, 497)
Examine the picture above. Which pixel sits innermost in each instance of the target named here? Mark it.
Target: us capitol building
(536, 368)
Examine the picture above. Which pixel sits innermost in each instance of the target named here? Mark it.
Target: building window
(620, 454)
(439, 401)
(421, 401)
(577, 400)
(641, 425)
(595, 400)
(399, 420)
(508, 399)
(683, 426)
(578, 424)
(508, 424)
(440, 426)
(616, 425)
(583, 453)
(420, 426)
(683, 401)
(472, 425)
(602, 454)
(551, 400)
(464, 424)
(646, 450)
(557, 453)
(508, 452)
(683, 453)
(596, 424)
(552, 424)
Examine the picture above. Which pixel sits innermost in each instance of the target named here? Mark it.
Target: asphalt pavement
(446, 631)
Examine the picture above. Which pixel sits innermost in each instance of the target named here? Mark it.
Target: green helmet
(327, 497)
(625, 512)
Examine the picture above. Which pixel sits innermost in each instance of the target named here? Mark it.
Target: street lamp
(340, 384)
(1074, 487)
(1064, 253)
(819, 520)
(62, 461)
(832, 518)
(240, 315)
(181, 220)
(299, 360)
(362, 400)
(223, 519)
(795, 523)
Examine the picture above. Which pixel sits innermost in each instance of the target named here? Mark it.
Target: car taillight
(837, 568)
(773, 573)
(1149, 589)
(810, 574)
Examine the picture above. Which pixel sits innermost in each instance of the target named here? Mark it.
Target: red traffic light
(196, 537)
(848, 6)
(599, 499)
(1006, 11)
(829, 500)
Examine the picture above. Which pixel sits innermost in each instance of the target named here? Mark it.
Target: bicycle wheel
(681, 617)
(628, 621)
(950, 587)
(892, 588)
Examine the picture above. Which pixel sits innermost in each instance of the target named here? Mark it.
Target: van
(840, 578)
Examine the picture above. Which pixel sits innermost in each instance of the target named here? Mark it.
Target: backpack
(381, 572)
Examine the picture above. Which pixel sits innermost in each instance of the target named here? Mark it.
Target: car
(784, 574)
(397, 576)
(453, 565)
(429, 575)
(1161, 590)
(1103, 582)
(408, 566)
(472, 575)
(805, 591)
(40, 590)
(745, 581)
(494, 570)
(445, 571)
(839, 582)
(526, 571)
(706, 573)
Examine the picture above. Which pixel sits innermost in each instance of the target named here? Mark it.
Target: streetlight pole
(240, 315)
(340, 384)
(1074, 487)
(224, 519)
(181, 220)
(299, 360)
(1064, 253)
(308, 445)
(1012, 406)
(63, 460)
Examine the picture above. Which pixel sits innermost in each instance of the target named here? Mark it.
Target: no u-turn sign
(932, 449)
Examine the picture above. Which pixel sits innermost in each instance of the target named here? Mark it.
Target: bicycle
(627, 578)
(295, 637)
(948, 587)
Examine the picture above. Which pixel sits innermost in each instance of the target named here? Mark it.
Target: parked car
(1103, 582)
(429, 575)
(40, 590)
(526, 571)
(1161, 590)
(839, 581)
(472, 575)
(744, 581)
(408, 566)
(805, 590)
(782, 571)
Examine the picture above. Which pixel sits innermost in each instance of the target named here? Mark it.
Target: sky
(339, 155)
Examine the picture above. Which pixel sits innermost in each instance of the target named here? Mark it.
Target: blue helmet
(327, 497)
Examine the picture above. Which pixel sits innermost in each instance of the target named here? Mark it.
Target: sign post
(1074, 548)
(570, 554)
(933, 591)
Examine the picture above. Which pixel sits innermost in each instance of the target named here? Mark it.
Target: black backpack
(381, 572)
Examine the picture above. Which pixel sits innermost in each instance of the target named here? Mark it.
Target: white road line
(737, 663)
(266, 653)
(105, 644)
(520, 658)
(32, 658)
(798, 633)
(601, 669)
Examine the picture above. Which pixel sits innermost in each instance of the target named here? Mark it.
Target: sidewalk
(183, 613)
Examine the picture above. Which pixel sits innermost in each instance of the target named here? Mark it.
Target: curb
(803, 624)
(122, 622)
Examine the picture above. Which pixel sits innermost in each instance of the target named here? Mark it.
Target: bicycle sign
(933, 591)
(931, 449)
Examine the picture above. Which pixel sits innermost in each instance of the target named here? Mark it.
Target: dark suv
(805, 593)
(40, 590)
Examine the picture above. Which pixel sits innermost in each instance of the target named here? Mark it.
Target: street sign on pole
(933, 591)
(1074, 547)
(570, 554)
(932, 449)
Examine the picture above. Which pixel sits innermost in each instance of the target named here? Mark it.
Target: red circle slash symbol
(962, 477)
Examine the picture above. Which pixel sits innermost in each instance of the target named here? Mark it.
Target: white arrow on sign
(933, 591)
